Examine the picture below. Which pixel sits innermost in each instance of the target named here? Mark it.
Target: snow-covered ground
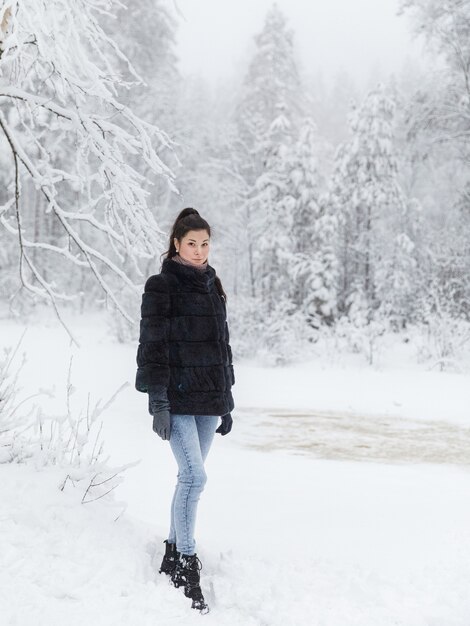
(341, 498)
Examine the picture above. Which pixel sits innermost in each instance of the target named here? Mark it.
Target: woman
(185, 365)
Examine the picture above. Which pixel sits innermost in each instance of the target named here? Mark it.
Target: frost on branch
(68, 145)
(10, 420)
(71, 441)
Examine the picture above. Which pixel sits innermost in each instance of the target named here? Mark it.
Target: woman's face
(194, 246)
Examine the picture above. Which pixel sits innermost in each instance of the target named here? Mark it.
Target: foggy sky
(362, 37)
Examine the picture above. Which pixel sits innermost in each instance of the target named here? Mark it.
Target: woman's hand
(161, 424)
(226, 425)
(159, 408)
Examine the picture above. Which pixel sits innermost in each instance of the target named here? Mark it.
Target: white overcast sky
(363, 37)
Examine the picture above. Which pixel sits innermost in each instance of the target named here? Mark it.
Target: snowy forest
(340, 229)
(339, 217)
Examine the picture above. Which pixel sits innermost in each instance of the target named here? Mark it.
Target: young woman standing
(185, 365)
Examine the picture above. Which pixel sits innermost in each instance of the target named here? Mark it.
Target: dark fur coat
(184, 341)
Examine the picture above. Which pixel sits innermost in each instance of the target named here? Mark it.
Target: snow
(287, 533)
(394, 392)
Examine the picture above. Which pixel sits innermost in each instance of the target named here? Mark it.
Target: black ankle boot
(186, 574)
(170, 559)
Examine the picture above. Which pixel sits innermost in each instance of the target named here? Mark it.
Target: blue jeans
(190, 440)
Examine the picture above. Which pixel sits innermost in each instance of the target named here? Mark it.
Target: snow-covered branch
(73, 143)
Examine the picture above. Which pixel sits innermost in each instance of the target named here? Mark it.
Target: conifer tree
(267, 119)
(313, 232)
(375, 246)
(272, 82)
(273, 216)
(441, 113)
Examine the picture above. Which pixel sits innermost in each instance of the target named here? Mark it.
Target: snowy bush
(444, 326)
(9, 421)
(285, 336)
(276, 337)
(362, 327)
(361, 338)
(71, 441)
(443, 342)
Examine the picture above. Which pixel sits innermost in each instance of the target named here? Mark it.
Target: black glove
(226, 425)
(161, 424)
(159, 407)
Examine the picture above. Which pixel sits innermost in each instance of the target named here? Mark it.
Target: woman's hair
(189, 219)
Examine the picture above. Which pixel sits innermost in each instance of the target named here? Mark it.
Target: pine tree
(375, 237)
(272, 83)
(272, 220)
(313, 232)
(267, 119)
(441, 114)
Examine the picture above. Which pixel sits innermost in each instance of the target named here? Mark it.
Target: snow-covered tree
(304, 179)
(272, 82)
(145, 30)
(440, 118)
(267, 118)
(313, 231)
(272, 219)
(69, 140)
(375, 245)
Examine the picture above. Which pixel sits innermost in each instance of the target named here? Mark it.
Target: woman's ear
(176, 244)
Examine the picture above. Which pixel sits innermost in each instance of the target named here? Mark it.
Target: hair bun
(185, 212)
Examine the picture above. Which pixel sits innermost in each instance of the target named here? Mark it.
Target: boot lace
(192, 563)
(191, 568)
